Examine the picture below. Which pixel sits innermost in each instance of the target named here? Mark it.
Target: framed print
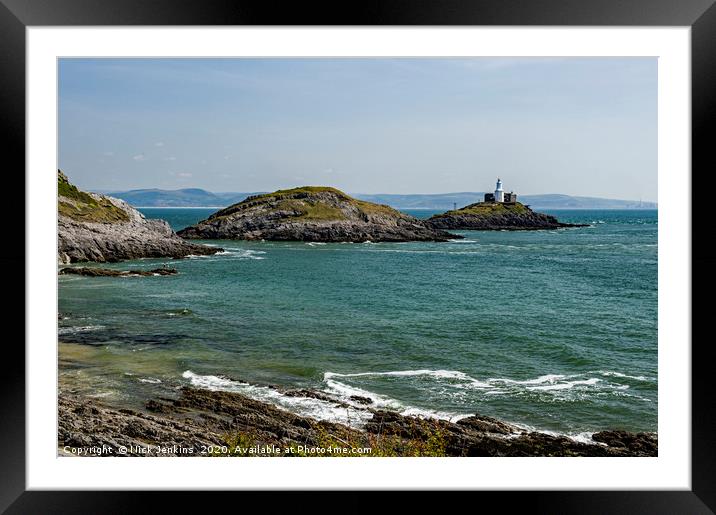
(456, 245)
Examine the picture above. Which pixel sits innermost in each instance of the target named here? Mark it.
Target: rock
(107, 272)
(496, 216)
(314, 214)
(84, 424)
(202, 417)
(305, 392)
(635, 442)
(99, 228)
(486, 425)
(158, 406)
(360, 399)
(485, 436)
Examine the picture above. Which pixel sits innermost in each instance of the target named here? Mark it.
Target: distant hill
(188, 197)
(195, 197)
(548, 201)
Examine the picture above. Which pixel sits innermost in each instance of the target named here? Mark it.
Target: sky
(577, 126)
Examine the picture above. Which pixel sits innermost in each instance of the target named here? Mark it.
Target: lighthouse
(499, 193)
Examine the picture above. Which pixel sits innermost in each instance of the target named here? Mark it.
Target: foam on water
(306, 406)
(210, 382)
(235, 253)
(455, 384)
(78, 329)
(439, 374)
(548, 378)
(345, 392)
(581, 437)
(566, 385)
(426, 413)
(608, 373)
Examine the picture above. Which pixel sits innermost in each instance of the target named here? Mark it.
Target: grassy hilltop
(317, 203)
(487, 209)
(83, 207)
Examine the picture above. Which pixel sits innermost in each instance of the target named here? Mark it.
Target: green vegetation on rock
(78, 205)
(489, 209)
(302, 189)
(427, 440)
(306, 203)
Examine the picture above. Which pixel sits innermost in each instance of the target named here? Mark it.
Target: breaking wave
(319, 409)
(463, 387)
(345, 402)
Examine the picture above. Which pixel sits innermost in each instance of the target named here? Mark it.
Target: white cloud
(226, 158)
(170, 158)
(108, 154)
(184, 174)
(139, 157)
(159, 144)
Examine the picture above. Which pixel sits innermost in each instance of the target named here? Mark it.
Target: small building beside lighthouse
(500, 195)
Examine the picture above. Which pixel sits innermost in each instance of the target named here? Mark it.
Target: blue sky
(579, 126)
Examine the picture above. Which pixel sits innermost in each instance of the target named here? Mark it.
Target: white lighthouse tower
(499, 193)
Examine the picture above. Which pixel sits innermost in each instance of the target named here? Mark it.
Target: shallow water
(555, 330)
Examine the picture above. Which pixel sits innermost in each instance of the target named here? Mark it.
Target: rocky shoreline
(108, 272)
(202, 422)
(92, 227)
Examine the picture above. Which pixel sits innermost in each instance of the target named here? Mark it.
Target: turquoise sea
(555, 330)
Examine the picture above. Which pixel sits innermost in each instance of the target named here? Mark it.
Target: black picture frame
(699, 15)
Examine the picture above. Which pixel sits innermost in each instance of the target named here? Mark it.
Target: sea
(551, 330)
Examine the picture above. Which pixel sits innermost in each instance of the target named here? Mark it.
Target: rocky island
(99, 228)
(496, 216)
(315, 214)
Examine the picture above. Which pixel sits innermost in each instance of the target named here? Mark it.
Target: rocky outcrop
(197, 419)
(316, 214)
(94, 227)
(107, 272)
(636, 442)
(496, 216)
